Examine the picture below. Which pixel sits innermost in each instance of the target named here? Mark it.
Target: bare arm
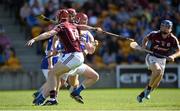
(45, 35)
(177, 53)
(42, 36)
(87, 27)
(144, 42)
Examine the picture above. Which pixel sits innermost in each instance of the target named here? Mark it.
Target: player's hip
(72, 60)
(150, 59)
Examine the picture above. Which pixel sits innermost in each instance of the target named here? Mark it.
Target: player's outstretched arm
(87, 27)
(42, 36)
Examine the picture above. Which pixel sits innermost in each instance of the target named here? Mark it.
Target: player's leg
(91, 77)
(53, 74)
(156, 70)
(159, 71)
(68, 62)
(157, 81)
(162, 63)
(73, 82)
(45, 73)
(53, 99)
(60, 82)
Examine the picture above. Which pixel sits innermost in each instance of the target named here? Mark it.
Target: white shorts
(78, 71)
(72, 60)
(150, 59)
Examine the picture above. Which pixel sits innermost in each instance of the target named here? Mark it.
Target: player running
(52, 53)
(163, 42)
(88, 45)
(72, 58)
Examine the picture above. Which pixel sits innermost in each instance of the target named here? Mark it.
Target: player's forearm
(85, 27)
(43, 36)
(144, 42)
(177, 54)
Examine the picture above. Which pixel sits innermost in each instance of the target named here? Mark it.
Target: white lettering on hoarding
(129, 78)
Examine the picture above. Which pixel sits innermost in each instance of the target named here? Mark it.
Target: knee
(158, 72)
(96, 77)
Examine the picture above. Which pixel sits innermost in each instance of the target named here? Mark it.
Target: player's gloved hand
(170, 58)
(30, 42)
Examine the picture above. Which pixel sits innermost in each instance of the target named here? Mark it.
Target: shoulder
(154, 32)
(174, 37)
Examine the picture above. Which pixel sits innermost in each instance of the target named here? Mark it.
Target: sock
(79, 89)
(41, 94)
(148, 88)
(53, 94)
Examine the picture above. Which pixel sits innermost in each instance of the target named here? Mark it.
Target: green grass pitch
(96, 99)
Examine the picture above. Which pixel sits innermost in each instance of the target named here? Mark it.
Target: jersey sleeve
(175, 43)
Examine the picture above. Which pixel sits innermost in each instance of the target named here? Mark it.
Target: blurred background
(115, 61)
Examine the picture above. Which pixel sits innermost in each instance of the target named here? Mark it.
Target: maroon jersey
(162, 46)
(68, 36)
